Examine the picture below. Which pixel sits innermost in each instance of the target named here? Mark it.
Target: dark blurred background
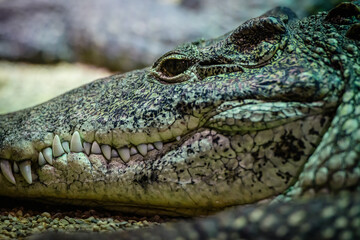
(50, 46)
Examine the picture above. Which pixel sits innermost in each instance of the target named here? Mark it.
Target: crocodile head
(211, 124)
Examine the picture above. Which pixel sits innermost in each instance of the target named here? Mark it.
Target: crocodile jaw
(187, 177)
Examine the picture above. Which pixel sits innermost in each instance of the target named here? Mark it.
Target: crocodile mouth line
(233, 116)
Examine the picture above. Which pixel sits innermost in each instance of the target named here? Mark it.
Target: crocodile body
(269, 110)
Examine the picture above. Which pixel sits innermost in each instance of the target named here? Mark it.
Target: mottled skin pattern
(268, 110)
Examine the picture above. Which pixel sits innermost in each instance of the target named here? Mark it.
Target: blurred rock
(121, 34)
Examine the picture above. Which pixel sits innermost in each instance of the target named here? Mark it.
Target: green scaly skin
(268, 110)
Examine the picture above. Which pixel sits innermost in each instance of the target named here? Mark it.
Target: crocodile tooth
(142, 148)
(66, 147)
(25, 169)
(124, 154)
(16, 168)
(47, 152)
(57, 148)
(114, 153)
(178, 138)
(75, 143)
(150, 147)
(6, 170)
(41, 159)
(95, 148)
(133, 151)
(87, 148)
(158, 145)
(106, 150)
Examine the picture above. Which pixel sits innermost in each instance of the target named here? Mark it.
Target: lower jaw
(96, 182)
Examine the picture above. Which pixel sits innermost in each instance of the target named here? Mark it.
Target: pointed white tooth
(106, 150)
(114, 153)
(124, 154)
(158, 145)
(41, 159)
(178, 138)
(95, 148)
(133, 151)
(142, 148)
(66, 147)
(150, 147)
(16, 168)
(75, 143)
(47, 152)
(6, 170)
(87, 147)
(25, 169)
(57, 147)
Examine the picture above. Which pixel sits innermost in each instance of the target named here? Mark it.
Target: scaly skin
(241, 119)
(316, 218)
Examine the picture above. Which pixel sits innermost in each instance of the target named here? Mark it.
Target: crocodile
(267, 112)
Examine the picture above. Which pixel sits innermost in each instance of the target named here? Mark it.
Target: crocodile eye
(174, 67)
(257, 40)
